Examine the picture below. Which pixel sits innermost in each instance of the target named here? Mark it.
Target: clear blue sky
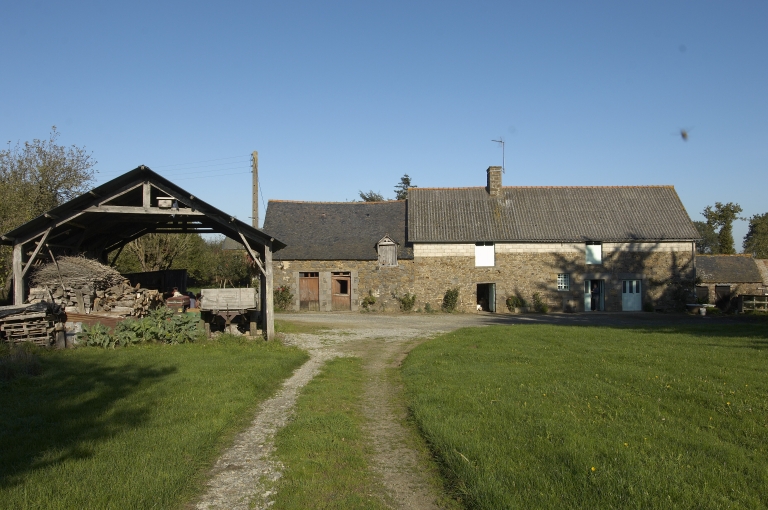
(345, 96)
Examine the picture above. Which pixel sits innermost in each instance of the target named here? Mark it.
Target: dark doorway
(723, 296)
(594, 299)
(486, 297)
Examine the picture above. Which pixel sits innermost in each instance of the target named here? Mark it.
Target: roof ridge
(556, 187)
(323, 202)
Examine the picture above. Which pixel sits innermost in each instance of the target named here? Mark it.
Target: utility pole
(503, 157)
(255, 199)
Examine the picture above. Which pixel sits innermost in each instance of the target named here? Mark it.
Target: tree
(371, 196)
(38, 176)
(756, 240)
(708, 243)
(157, 252)
(401, 189)
(721, 217)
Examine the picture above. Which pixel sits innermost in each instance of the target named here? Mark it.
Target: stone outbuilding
(721, 279)
(340, 252)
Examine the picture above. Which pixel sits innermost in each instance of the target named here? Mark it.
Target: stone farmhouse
(623, 248)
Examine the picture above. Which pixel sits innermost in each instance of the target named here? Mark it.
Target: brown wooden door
(309, 292)
(341, 292)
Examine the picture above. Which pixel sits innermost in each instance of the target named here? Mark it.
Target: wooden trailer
(227, 309)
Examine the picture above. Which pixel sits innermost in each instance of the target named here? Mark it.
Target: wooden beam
(147, 200)
(18, 276)
(127, 209)
(269, 304)
(252, 253)
(122, 191)
(34, 253)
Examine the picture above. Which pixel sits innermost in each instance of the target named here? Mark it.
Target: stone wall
(382, 282)
(664, 275)
(665, 270)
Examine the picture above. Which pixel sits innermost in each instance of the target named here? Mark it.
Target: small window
(594, 253)
(484, 254)
(564, 281)
(387, 250)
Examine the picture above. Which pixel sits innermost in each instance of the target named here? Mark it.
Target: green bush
(282, 297)
(428, 308)
(515, 302)
(451, 300)
(368, 301)
(161, 325)
(406, 302)
(538, 303)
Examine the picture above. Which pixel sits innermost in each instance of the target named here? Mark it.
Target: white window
(564, 281)
(484, 255)
(594, 253)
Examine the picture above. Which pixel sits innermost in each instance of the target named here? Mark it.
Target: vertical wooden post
(255, 190)
(269, 301)
(147, 197)
(18, 274)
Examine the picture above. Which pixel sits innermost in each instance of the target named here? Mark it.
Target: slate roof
(548, 214)
(336, 230)
(727, 269)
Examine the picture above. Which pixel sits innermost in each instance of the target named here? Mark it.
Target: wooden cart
(229, 309)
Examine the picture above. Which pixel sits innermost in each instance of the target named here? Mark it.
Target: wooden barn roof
(548, 214)
(336, 230)
(727, 269)
(125, 208)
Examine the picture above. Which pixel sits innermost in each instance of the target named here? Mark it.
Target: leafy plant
(368, 301)
(515, 302)
(96, 336)
(428, 308)
(538, 303)
(451, 300)
(283, 298)
(406, 302)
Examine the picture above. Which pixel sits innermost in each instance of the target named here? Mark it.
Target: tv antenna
(503, 157)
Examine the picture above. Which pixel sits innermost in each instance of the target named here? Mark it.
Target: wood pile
(121, 299)
(81, 285)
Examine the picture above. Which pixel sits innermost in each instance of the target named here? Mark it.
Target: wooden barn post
(18, 274)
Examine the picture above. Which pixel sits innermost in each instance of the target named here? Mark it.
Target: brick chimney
(494, 181)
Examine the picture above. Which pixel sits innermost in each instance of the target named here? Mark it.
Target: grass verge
(136, 427)
(596, 417)
(324, 448)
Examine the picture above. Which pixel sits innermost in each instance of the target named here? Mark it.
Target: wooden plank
(269, 301)
(309, 293)
(228, 299)
(127, 209)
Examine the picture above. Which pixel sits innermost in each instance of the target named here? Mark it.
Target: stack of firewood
(81, 285)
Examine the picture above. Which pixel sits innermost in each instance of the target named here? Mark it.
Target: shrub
(368, 301)
(538, 303)
(161, 325)
(406, 302)
(451, 299)
(282, 297)
(428, 308)
(515, 302)
(647, 306)
(96, 336)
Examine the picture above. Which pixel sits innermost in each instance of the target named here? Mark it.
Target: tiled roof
(727, 269)
(541, 214)
(336, 230)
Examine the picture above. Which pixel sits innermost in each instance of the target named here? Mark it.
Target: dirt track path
(246, 471)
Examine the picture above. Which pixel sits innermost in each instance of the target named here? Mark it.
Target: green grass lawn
(134, 427)
(595, 417)
(324, 448)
